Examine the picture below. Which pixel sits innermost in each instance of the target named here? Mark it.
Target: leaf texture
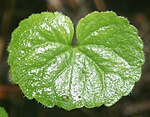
(100, 69)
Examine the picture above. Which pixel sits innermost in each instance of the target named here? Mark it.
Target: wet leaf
(100, 69)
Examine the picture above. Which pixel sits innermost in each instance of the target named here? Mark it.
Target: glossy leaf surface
(100, 69)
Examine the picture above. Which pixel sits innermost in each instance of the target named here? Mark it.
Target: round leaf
(102, 68)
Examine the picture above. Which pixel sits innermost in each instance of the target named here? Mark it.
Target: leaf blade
(36, 52)
(102, 68)
(114, 45)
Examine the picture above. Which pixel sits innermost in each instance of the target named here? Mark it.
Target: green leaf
(3, 112)
(100, 69)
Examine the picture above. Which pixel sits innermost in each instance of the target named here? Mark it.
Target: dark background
(136, 104)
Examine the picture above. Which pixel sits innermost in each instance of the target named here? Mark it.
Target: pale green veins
(100, 69)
